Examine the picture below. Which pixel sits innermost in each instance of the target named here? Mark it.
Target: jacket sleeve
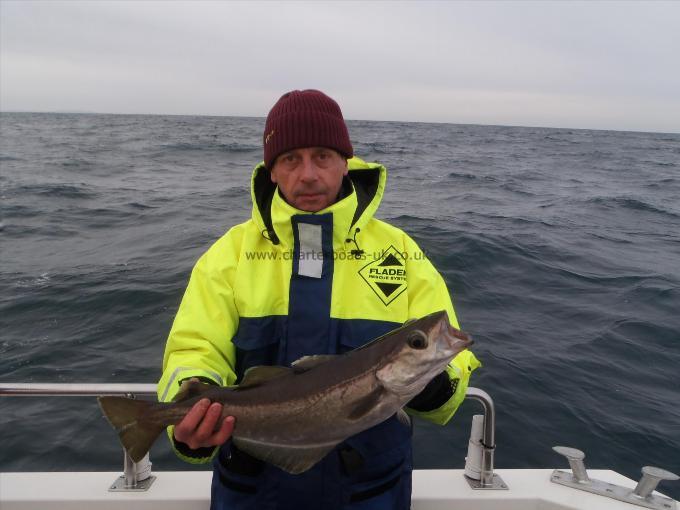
(427, 293)
(199, 344)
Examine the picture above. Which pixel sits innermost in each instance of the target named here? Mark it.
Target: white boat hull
(529, 489)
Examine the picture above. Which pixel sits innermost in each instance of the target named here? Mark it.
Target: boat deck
(529, 489)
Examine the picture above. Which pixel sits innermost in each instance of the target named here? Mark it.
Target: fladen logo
(386, 275)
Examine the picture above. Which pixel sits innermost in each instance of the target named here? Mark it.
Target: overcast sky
(608, 65)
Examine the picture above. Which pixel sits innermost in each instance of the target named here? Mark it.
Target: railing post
(136, 475)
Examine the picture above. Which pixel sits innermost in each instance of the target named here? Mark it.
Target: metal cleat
(640, 496)
(651, 476)
(575, 458)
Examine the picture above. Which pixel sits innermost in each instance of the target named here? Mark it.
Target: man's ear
(272, 175)
(346, 167)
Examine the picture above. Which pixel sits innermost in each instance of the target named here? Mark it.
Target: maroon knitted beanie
(304, 118)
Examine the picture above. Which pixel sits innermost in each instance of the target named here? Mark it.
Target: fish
(294, 416)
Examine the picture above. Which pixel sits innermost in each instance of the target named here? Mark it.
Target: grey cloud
(571, 64)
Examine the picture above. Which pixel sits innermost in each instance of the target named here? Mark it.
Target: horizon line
(77, 112)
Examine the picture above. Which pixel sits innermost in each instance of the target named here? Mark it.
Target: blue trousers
(361, 474)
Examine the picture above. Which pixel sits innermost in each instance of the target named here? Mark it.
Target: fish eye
(417, 340)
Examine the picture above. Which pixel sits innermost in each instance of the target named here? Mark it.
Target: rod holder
(487, 480)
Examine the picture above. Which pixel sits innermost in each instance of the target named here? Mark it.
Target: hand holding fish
(200, 429)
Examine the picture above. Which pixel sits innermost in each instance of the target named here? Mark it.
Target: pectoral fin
(292, 459)
(255, 376)
(192, 388)
(403, 418)
(366, 404)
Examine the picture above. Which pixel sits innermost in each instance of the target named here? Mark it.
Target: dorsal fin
(307, 362)
(255, 376)
(191, 388)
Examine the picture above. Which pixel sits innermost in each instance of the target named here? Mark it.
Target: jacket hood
(363, 189)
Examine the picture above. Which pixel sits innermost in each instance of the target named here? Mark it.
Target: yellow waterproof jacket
(288, 283)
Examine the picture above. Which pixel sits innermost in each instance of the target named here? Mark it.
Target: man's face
(309, 178)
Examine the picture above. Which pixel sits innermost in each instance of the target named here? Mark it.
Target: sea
(560, 247)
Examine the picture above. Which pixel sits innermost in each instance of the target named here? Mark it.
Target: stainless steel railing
(75, 389)
(129, 480)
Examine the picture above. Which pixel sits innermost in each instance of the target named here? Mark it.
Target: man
(312, 272)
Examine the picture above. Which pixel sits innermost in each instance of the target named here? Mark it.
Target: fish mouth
(455, 339)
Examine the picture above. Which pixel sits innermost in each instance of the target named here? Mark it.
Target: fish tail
(133, 421)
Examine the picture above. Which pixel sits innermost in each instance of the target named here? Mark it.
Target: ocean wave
(242, 192)
(382, 148)
(226, 147)
(463, 175)
(472, 176)
(20, 211)
(630, 203)
(522, 220)
(76, 164)
(610, 280)
(634, 342)
(25, 282)
(662, 183)
(520, 189)
(559, 138)
(409, 221)
(613, 237)
(661, 163)
(237, 147)
(99, 217)
(53, 191)
(139, 205)
(18, 231)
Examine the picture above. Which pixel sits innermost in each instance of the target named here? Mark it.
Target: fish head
(421, 349)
